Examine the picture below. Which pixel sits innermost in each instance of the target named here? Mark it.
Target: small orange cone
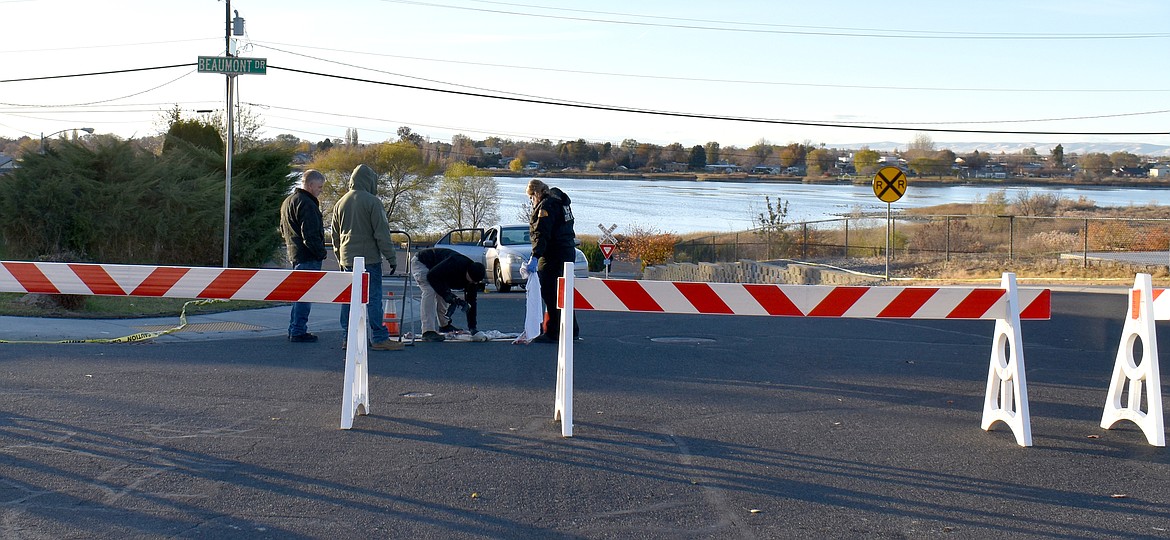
(390, 317)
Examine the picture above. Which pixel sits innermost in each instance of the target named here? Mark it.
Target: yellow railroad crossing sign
(889, 184)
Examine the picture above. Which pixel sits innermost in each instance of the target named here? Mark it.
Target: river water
(687, 206)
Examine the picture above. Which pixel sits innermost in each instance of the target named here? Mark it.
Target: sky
(735, 72)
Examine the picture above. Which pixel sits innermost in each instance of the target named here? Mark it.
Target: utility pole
(229, 50)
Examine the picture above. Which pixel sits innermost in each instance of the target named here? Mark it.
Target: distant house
(722, 167)
(7, 164)
(765, 169)
(1160, 170)
(1131, 172)
(674, 166)
(488, 150)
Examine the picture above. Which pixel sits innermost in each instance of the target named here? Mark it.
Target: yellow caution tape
(141, 336)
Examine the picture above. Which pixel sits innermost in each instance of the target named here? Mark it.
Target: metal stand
(407, 277)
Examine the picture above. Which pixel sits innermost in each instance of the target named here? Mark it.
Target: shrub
(117, 203)
(646, 244)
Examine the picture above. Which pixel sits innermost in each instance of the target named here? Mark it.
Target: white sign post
(607, 243)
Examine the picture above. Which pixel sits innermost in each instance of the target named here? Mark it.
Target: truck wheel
(499, 280)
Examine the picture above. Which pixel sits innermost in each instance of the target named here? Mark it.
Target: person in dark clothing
(303, 230)
(553, 245)
(438, 271)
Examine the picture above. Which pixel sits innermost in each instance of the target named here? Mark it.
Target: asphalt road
(738, 427)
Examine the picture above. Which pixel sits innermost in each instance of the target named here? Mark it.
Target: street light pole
(43, 136)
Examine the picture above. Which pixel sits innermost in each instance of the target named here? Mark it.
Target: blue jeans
(378, 333)
(299, 320)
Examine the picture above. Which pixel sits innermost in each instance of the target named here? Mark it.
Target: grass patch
(121, 307)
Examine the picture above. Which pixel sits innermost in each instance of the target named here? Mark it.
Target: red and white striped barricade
(1136, 381)
(217, 283)
(1006, 399)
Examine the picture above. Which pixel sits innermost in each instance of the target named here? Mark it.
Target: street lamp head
(87, 130)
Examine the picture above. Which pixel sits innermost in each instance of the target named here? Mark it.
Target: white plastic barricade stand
(276, 285)
(563, 407)
(356, 392)
(1006, 399)
(1137, 381)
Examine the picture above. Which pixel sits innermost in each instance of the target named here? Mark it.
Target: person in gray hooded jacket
(359, 229)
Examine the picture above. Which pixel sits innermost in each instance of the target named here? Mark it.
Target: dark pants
(299, 319)
(549, 271)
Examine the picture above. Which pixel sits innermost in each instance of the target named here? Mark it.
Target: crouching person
(439, 272)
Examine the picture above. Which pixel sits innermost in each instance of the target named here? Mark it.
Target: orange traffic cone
(390, 317)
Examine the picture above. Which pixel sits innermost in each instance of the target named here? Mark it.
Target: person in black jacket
(553, 245)
(438, 271)
(304, 238)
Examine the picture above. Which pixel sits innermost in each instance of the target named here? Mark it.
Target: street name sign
(233, 65)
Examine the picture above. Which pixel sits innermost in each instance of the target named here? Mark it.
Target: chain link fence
(923, 239)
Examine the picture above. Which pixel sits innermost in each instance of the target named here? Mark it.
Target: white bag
(534, 311)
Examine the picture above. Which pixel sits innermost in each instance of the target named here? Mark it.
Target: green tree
(1094, 166)
(405, 134)
(1124, 159)
(195, 133)
(698, 158)
(247, 124)
(976, 160)
(712, 151)
(120, 203)
(287, 141)
(467, 197)
(772, 225)
(674, 153)
(407, 179)
(792, 155)
(760, 151)
(865, 161)
(822, 159)
(1058, 156)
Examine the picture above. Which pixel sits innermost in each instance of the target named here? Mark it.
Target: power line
(889, 126)
(707, 79)
(611, 108)
(934, 33)
(106, 100)
(91, 74)
(808, 32)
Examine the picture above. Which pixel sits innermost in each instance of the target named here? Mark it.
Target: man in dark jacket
(553, 245)
(304, 238)
(437, 271)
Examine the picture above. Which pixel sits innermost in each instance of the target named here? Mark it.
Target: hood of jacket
(558, 194)
(364, 179)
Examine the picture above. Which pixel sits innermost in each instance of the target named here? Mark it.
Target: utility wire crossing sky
(734, 72)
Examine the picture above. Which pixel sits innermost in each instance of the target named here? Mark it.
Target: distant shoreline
(1150, 183)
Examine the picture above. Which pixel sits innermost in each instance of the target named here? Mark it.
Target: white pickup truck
(502, 249)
